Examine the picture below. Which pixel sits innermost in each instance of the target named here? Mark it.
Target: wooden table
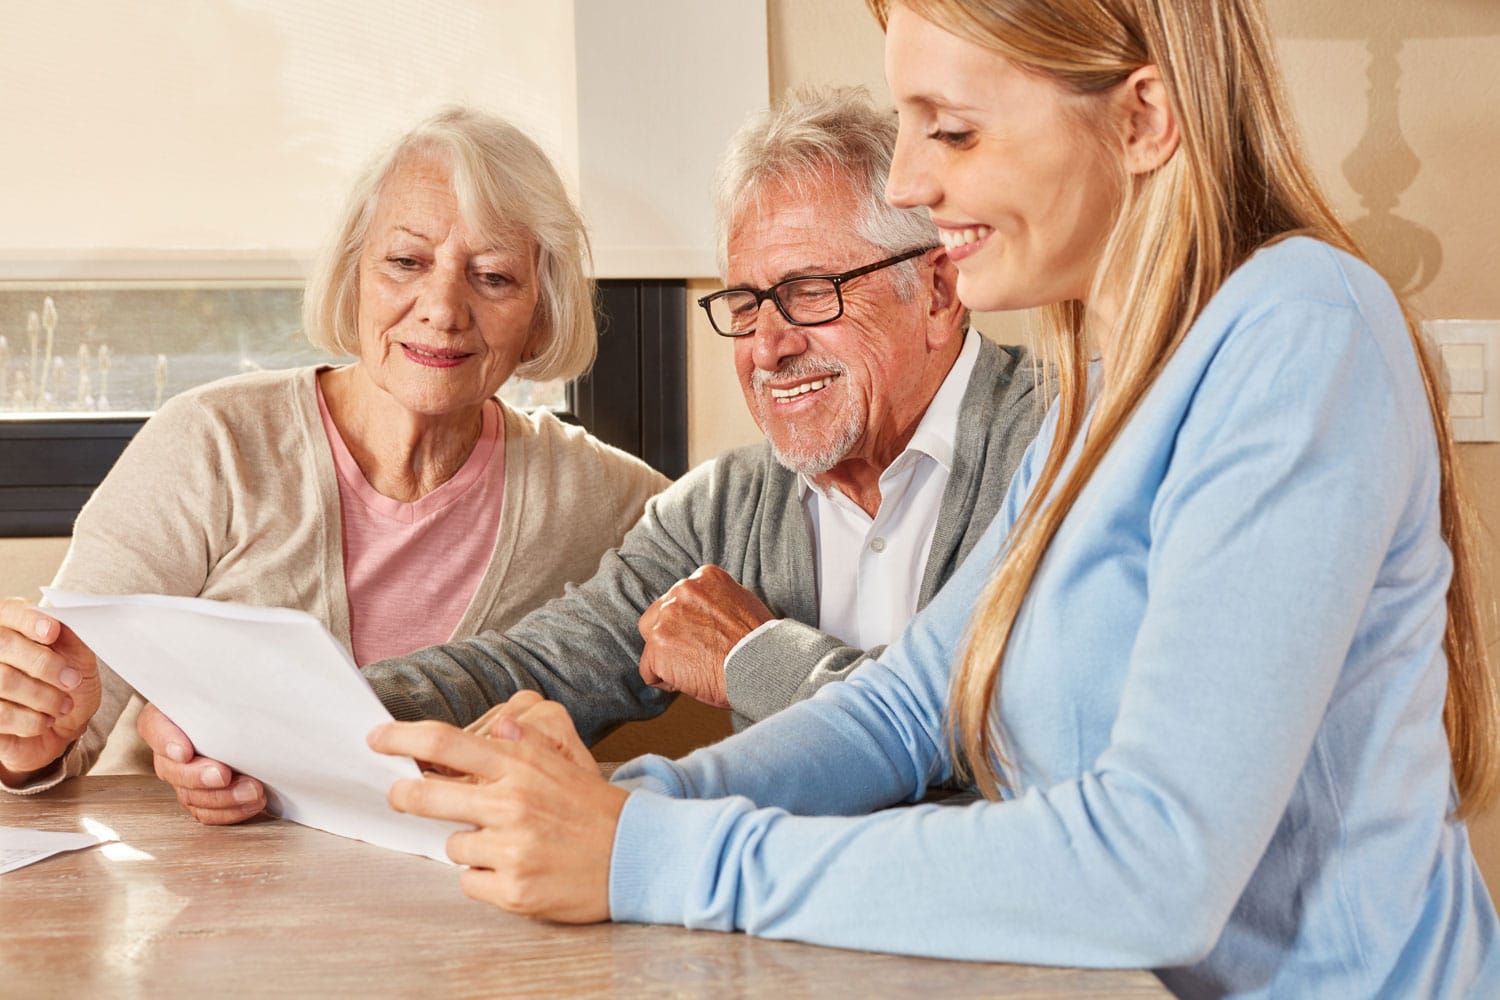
(272, 909)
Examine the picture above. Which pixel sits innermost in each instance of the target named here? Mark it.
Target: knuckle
(431, 739)
(416, 796)
(25, 724)
(23, 656)
(517, 895)
(524, 699)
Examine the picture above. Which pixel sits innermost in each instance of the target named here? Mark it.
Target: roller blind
(202, 139)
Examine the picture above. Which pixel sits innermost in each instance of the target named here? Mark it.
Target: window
(75, 349)
(60, 433)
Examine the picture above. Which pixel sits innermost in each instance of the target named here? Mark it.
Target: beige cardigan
(229, 493)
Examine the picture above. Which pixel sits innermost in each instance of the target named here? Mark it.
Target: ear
(1150, 121)
(944, 310)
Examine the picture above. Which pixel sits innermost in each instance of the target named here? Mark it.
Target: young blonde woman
(1215, 669)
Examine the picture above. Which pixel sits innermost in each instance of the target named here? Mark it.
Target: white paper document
(20, 847)
(271, 693)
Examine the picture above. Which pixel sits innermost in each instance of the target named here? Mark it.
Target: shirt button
(878, 545)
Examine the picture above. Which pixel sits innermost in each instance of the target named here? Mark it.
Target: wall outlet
(1470, 353)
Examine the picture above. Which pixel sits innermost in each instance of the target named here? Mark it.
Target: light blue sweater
(1222, 700)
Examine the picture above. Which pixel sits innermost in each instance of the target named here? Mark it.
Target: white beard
(805, 457)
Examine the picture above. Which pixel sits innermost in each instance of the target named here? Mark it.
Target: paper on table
(268, 691)
(20, 847)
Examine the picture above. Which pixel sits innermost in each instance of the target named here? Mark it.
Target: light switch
(1465, 406)
(1470, 352)
(1465, 364)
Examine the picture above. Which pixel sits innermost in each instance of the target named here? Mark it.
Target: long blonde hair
(1238, 181)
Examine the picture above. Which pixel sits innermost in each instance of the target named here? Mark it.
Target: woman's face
(1022, 195)
(444, 318)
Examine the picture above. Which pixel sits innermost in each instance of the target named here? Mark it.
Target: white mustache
(798, 367)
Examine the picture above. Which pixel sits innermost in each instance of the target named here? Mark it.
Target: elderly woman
(396, 498)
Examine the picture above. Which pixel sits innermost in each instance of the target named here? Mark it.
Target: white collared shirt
(870, 569)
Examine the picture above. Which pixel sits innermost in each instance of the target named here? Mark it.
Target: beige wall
(27, 564)
(1426, 143)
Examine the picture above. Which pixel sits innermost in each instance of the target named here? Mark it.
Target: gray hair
(506, 189)
(813, 134)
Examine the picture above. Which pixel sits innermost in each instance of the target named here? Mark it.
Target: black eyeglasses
(804, 301)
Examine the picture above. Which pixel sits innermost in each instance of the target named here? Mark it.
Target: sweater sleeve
(787, 662)
(581, 649)
(1289, 476)
(151, 527)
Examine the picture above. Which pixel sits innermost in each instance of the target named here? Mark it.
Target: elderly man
(775, 569)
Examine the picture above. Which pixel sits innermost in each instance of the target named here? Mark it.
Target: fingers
(441, 744)
(652, 615)
(49, 686)
(163, 736)
(24, 617)
(513, 707)
(548, 720)
(28, 707)
(208, 789)
(650, 676)
(511, 746)
(455, 801)
(33, 675)
(647, 626)
(519, 895)
(244, 799)
(211, 791)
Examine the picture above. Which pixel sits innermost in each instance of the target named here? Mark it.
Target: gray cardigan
(741, 512)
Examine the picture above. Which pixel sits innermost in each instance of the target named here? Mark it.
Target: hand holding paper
(209, 790)
(50, 685)
(269, 692)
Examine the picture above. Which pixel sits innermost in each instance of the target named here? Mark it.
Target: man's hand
(207, 789)
(690, 630)
(545, 827)
(49, 689)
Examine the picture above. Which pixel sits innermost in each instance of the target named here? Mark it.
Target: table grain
(273, 909)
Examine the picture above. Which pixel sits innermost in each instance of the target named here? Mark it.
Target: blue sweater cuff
(658, 851)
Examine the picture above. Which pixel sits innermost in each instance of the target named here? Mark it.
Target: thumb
(162, 735)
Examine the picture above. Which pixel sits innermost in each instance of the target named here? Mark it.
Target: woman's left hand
(545, 826)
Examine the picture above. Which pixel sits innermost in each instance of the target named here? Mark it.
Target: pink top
(411, 569)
